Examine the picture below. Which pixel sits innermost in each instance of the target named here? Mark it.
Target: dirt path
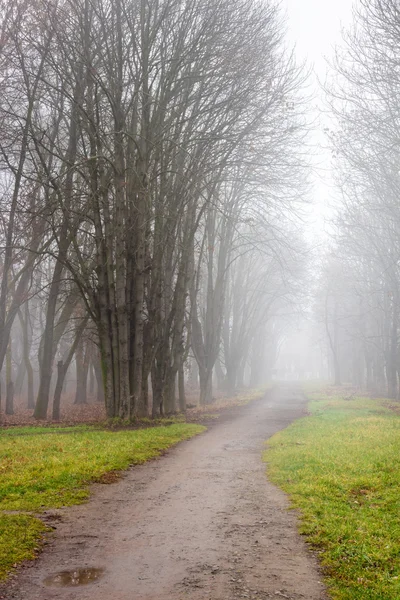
(202, 523)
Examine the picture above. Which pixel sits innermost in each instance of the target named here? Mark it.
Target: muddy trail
(201, 523)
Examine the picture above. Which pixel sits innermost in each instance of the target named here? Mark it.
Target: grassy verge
(43, 468)
(341, 467)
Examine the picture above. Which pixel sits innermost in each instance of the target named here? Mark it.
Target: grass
(44, 468)
(341, 467)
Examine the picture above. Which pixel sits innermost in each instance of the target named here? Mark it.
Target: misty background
(196, 198)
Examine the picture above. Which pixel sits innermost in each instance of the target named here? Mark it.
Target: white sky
(315, 28)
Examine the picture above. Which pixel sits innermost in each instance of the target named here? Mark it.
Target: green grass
(341, 468)
(43, 468)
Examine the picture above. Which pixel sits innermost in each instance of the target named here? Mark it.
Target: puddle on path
(73, 577)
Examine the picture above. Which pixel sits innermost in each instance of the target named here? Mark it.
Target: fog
(197, 198)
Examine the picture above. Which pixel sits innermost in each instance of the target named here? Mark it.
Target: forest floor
(94, 413)
(202, 522)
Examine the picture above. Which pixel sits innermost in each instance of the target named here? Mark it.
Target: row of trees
(359, 297)
(150, 173)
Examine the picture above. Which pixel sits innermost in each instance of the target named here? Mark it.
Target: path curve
(201, 523)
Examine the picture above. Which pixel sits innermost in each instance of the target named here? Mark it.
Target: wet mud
(74, 577)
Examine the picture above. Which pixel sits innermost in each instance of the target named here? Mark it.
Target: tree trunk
(170, 392)
(181, 387)
(193, 380)
(220, 375)
(231, 372)
(92, 379)
(240, 383)
(61, 372)
(64, 242)
(19, 382)
(10, 398)
(391, 369)
(29, 368)
(157, 382)
(205, 386)
(99, 378)
(82, 366)
(9, 382)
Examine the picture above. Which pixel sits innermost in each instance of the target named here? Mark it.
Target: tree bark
(181, 387)
(82, 367)
(9, 382)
